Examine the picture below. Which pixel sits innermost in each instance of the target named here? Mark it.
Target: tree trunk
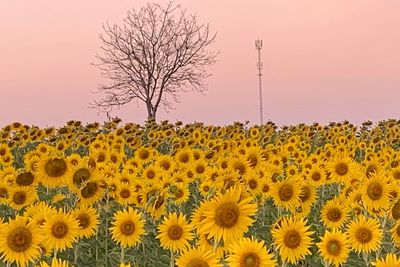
(151, 112)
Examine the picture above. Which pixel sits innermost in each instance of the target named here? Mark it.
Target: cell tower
(260, 67)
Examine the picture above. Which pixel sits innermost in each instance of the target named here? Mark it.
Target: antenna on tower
(259, 68)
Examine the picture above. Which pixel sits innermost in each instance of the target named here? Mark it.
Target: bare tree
(158, 53)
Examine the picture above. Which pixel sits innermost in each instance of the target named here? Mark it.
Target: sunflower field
(169, 194)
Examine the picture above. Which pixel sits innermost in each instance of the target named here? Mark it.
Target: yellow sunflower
(91, 192)
(175, 232)
(334, 247)
(375, 191)
(52, 170)
(334, 213)
(396, 233)
(55, 263)
(25, 178)
(228, 216)
(19, 241)
(21, 197)
(127, 227)
(391, 260)
(293, 239)
(364, 234)
(60, 230)
(249, 252)
(198, 257)
(341, 169)
(88, 220)
(287, 193)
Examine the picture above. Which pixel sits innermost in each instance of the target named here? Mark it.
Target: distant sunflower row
(195, 195)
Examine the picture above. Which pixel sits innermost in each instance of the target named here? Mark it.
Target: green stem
(365, 258)
(122, 260)
(172, 262)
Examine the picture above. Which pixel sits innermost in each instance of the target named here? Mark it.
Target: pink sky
(323, 61)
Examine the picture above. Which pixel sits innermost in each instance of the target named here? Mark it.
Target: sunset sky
(323, 61)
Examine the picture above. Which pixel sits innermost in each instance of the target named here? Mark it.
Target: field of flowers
(194, 195)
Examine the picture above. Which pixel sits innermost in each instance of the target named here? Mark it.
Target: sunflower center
(364, 235)
(127, 227)
(240, 167)
(19, 239)
(81, 176)
(3, 192)
(84, 220)
(151, 174)
(253, 184)
(285, 192)
(305, 194)
(252, 159)
(398, 230)
(159, 202)
(292, 239)
(184, 158)
(227, 215)
(197, 263)
(341, 168)
(250, 260)
(125, 193)
(59, 230)
(374, 191)
(334, 214)
(265, 188)
(55, 167)
(316, 176)
(200, 169)
(370, 170)
(89, 190)
(19, 197)
(333, 247)
(144, 154)
(179, 193)
(396, 210)
(25, 179)
(175, 232)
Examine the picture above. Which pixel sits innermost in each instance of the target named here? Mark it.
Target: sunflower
(81, 173)
(228, 215)
(334, 247)
(293, 239)
(375, 191)
(52, 170)
(175, 232)
(308, 197)
(60, 230)
(180, 193)
(364, 234)
(88, 220)
(21, 197)
(396, 233)
(4, 192)
(19, 241)
(25, 178)
(391, 260)
(91, 192)
(125, 194)
(198, 257)
(334, 213)
(55, 263)
(316, 175)
(127, 227)
(38, 212)
(287, 193)
(341, 169)
(248, 252)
